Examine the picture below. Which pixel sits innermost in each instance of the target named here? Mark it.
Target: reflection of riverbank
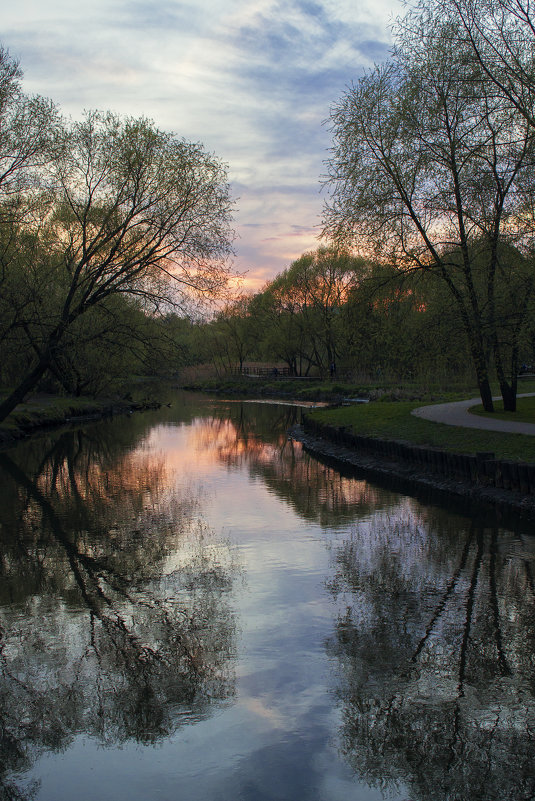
(255, 437)
(278, 402)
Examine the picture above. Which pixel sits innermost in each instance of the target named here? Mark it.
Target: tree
(500, 35)
(432, 167)
(304, 307)
(131, 211)
(28, 126)
(28, 129)
(232, 335)
(323, 281)
(284, 335)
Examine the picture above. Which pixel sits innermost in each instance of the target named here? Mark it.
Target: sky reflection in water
(192, 608)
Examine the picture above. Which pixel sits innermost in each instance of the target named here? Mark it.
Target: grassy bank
(44, 411)
(393, 420)
(388, 414)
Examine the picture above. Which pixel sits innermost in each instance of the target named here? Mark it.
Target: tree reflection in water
(115, 618)
(256, 436)
(435, 654)
(436, 645)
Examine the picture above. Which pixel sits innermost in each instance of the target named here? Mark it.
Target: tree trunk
(509, 396)
(26, 385)
(483, 382)
(482, 373)
(508, 390)
(486, 394)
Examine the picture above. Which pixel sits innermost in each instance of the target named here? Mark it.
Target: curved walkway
(457, 414)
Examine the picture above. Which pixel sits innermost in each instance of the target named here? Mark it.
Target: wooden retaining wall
(480, 468)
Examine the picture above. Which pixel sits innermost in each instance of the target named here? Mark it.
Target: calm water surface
(193, 608)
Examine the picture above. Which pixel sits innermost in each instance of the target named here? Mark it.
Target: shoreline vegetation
(43, 411)
(385, 414)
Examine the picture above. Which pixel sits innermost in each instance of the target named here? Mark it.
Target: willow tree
(434, 171)
(28, 126)
(129, 211)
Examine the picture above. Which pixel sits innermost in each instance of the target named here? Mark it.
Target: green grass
(525, 411)
(394, 421)
(42, 411)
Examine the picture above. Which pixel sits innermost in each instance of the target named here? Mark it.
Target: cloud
(254, 81)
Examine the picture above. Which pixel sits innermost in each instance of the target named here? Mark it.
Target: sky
(252, 80)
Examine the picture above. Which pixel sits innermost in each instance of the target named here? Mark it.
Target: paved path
(457, 414)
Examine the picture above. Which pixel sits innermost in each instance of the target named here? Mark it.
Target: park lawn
(525, 411)
(393, 420)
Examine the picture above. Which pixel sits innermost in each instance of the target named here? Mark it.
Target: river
(193, 608)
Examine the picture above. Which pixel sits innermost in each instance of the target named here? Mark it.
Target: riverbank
(43, 411)
(387, 464)
(396, 421)
(314, 389)
(299, 389)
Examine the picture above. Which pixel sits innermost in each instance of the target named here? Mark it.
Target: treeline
(110, 232)
(366, 318)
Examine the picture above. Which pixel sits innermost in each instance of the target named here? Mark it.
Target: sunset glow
(253, 82)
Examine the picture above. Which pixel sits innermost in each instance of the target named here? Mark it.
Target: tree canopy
(108, 208)
(433, 169)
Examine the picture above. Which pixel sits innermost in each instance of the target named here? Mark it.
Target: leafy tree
(303, 308)
(285, 335)
(499, 35)
(28, 131)
(429, 163)
(134, 212)
(28, 126)
(323, 280)
(232, 334)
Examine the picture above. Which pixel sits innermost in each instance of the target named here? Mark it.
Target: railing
(268, 372)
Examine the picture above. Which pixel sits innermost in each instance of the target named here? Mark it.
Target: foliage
(117, 224)
(434, 169)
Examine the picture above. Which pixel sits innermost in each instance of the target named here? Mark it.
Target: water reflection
(115, 612)
(117, 620)
(256, 438)
(435, 653)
